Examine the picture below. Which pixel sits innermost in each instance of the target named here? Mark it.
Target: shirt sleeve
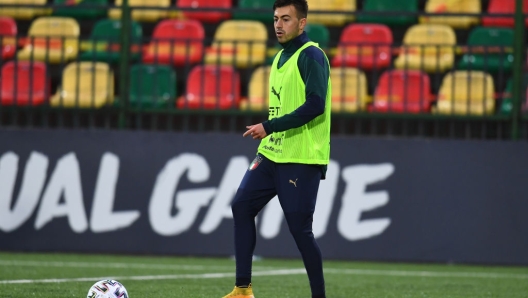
(314, 70)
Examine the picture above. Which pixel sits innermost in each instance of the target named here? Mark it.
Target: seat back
(396, 8)
(452, 6)
(142, 15)
(318, 33)
(109, 31)
(212, 87)
(429, 39)
(152, 85)
(206, 16)
(54, 33)
(365, 45)
(176, 42)
(334, 19)
(81, 9)
(85, 85)
(484, 36)
(402, 91)
(22, 13)
(258, 93)
(241, 41)
(502, 7)
(259, 14)
(8, 31)
(24, 83)
(349, 89)
(466, 92)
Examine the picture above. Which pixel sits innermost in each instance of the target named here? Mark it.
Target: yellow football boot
(241, 293)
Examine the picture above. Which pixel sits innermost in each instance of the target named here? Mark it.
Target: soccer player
(294, 149)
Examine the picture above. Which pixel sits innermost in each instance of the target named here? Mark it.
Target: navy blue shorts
(295, 184)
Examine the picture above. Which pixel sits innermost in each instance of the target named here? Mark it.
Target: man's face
(287, 24)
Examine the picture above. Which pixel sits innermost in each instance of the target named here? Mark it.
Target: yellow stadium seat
(258, 93)
(85, 85)
(466, 92)
(430, 48)
(452, 6)
(142, 15)
(349, 89)
(51, 39)
(23, 13)
(333, 19)
(239, 43)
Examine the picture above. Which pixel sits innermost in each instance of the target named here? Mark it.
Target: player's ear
(302, 23)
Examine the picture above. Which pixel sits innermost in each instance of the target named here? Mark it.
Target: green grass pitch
(71, 275)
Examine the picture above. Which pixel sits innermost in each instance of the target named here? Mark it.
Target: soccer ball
(107, 289)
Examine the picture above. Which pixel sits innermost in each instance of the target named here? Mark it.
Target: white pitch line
(120, 265)
(154, 277)
(411, 273)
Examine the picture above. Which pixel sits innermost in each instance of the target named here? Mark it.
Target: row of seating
(429, 47)
(91, 85)
(392, 12)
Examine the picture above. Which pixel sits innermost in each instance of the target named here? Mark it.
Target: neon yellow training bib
(308, 144)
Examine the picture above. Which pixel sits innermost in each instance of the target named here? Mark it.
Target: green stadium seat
(489, 49)
(389, 6)
(152, 86)
(81, 9)
(506, 106)
(265, 13)
(105, 40)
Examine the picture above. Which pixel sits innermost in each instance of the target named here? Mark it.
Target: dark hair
(301, 6)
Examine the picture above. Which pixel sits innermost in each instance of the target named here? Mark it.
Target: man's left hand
(256, 131)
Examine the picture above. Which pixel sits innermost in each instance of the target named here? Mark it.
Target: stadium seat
(452, 6)
(152, 85)
(427, 47)
(503, 7)
(8, 31)
(402, 91)
(142, 15)
(349, 89)
(239, 43)
(263, 10)
(466, 93)
(333, 19)
(206, 16)
(489, 49)
(24, 83)
(397, 13)
(506, 106)
(211, 87)
(367, 46)
(85, 85)
(105, 40)
(81, 9)
(176, 42)
(258, 91)
(23, 13)
(51, 39)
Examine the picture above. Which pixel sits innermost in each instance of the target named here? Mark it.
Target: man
(294, 149)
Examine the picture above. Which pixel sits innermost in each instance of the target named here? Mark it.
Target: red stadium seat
(211, 87)
(175, 42)
(502, 7)
(366, 46)
(24, 83)
(402, 91)
(206, 16)
(8, 30)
